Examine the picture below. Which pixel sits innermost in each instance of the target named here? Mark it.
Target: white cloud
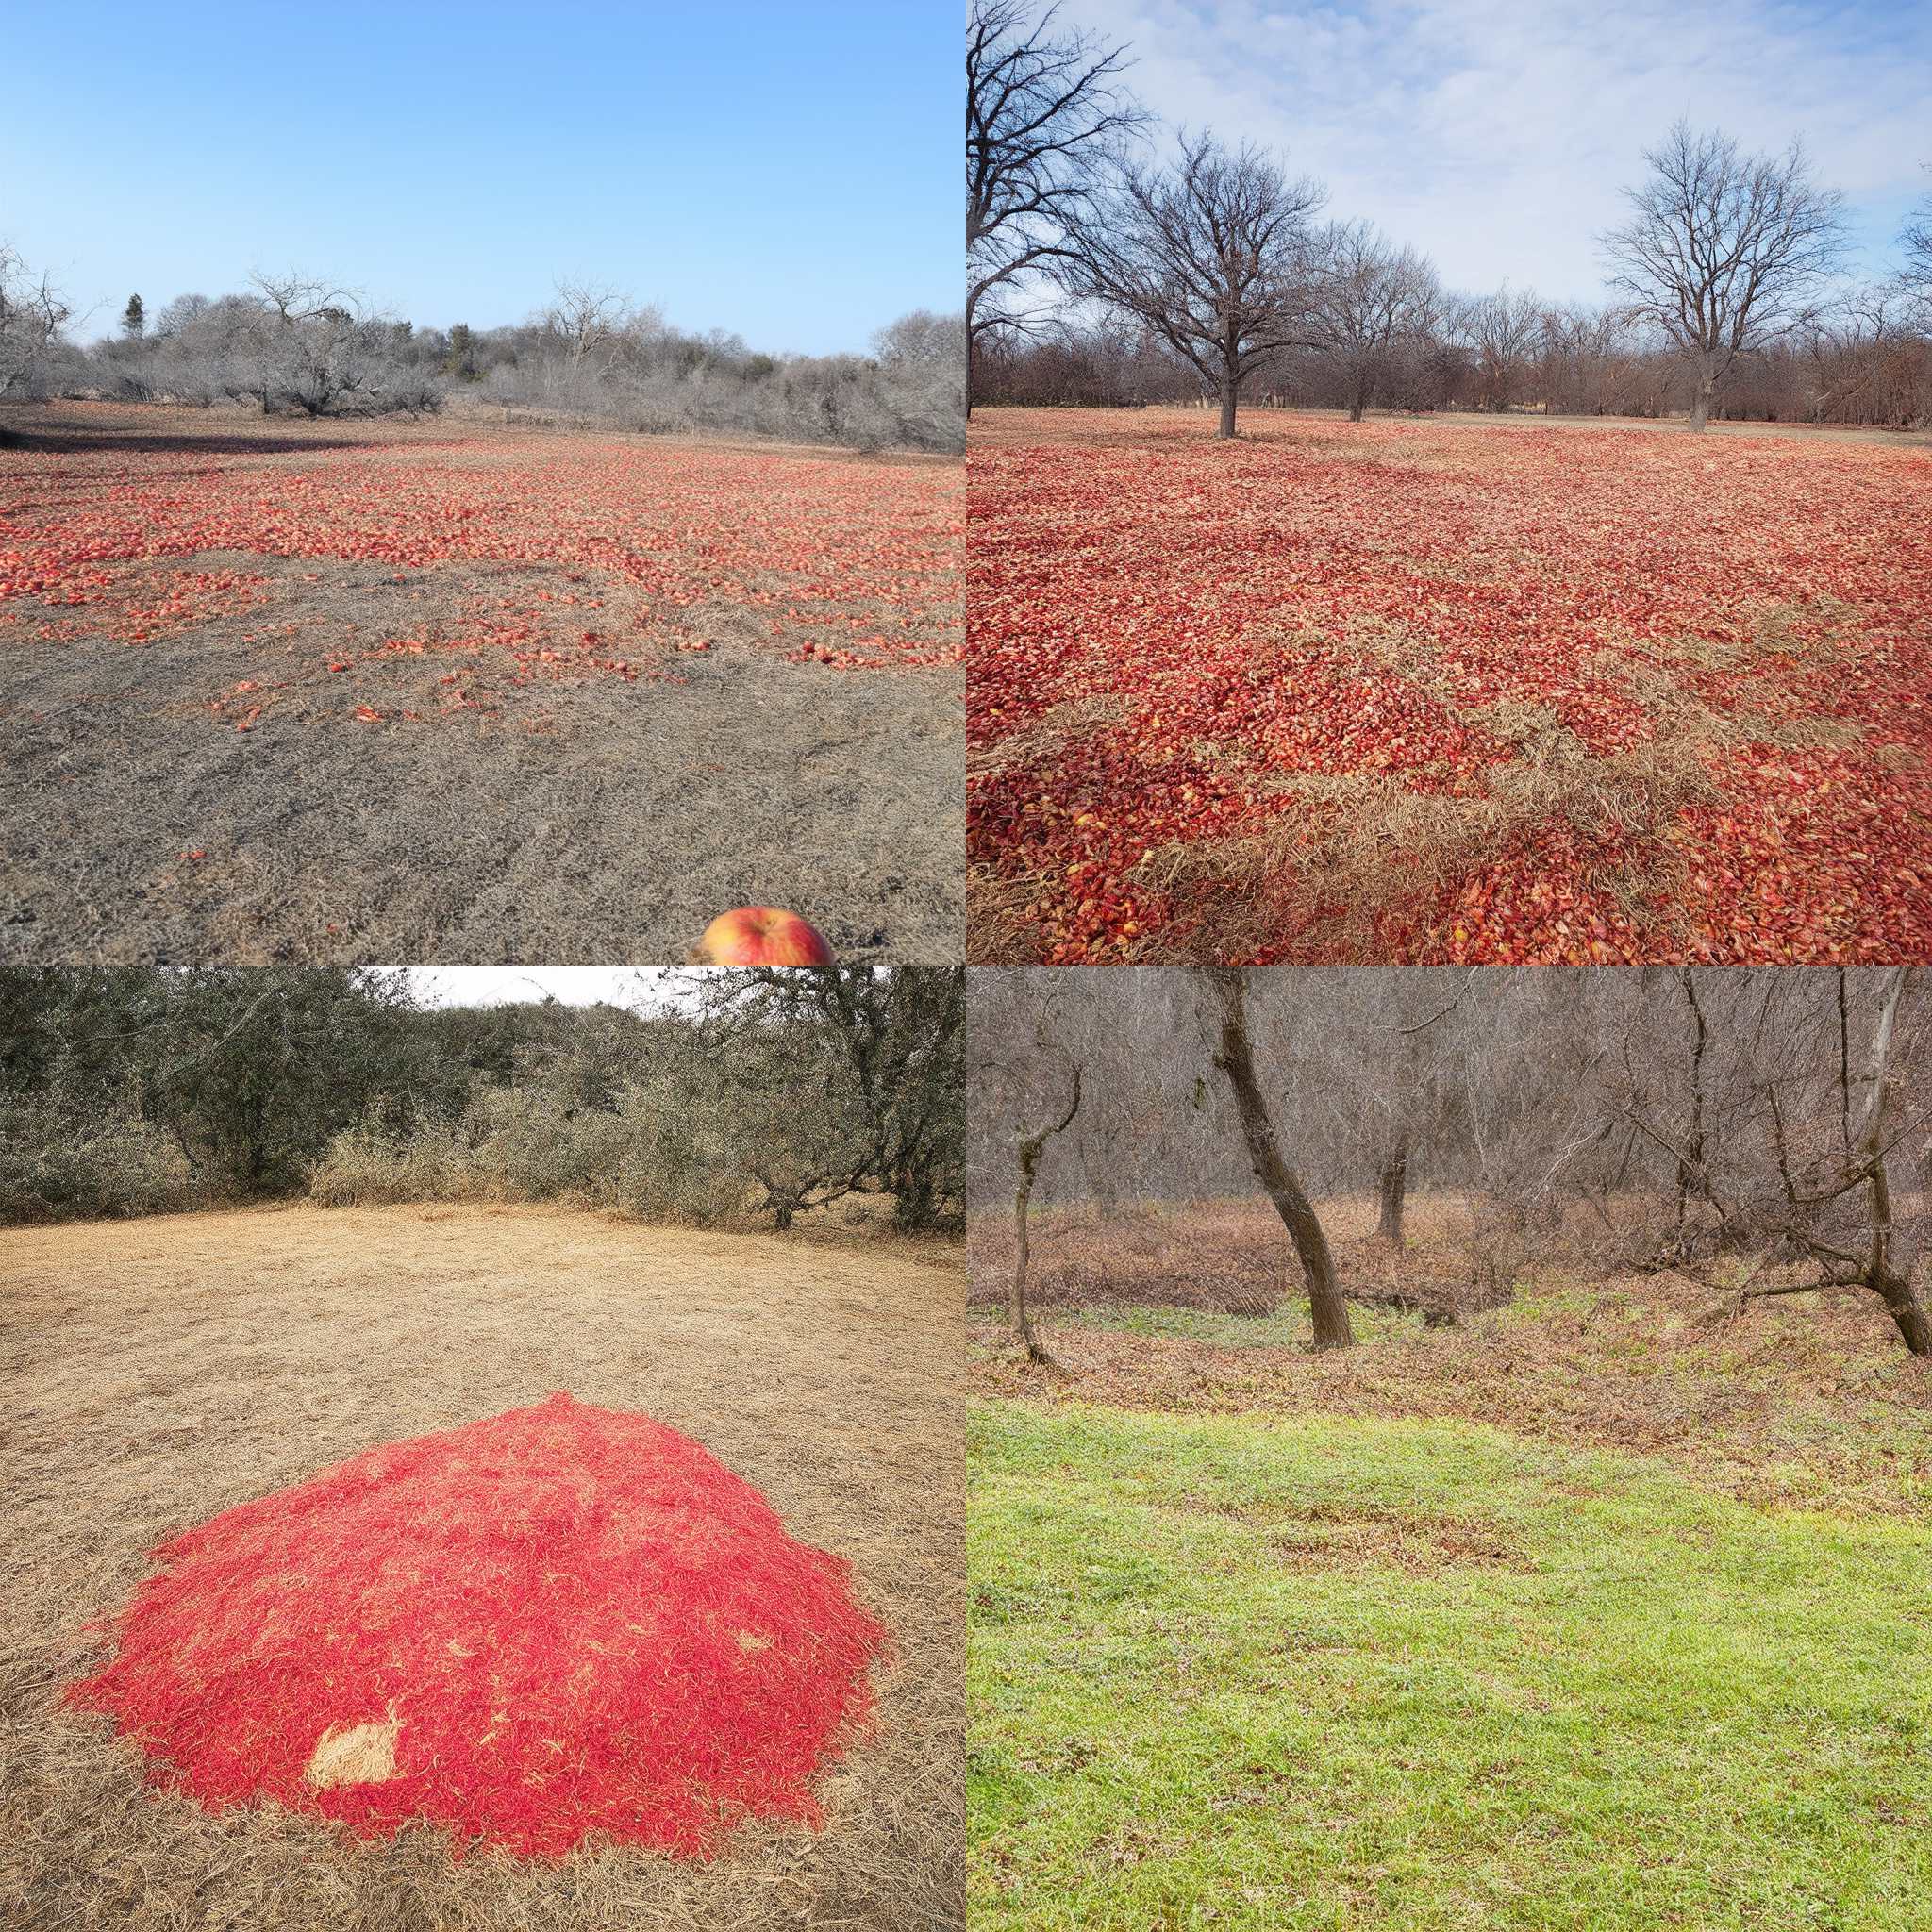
(1497, 133)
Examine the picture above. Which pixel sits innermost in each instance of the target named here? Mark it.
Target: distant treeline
(1872, 366)
(1728, 283)
(130, 1092)
(292, 343)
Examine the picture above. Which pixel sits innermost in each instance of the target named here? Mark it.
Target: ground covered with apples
(1446, 691)
(468, 689)
(325, 1613)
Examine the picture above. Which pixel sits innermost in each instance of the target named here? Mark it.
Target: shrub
(60, 1160)
(640, 1157)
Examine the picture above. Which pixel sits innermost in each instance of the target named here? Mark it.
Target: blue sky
(785, 171)
(1494, 134)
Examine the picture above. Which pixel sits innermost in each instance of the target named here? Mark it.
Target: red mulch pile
(560, 1622)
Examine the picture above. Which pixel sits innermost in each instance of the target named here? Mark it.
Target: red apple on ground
(760, 936)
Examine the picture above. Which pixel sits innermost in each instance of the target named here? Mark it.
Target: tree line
(727, 1094)
(298, 343)
(1770, 1127)
(1104, 269)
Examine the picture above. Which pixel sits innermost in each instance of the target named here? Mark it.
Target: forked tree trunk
(1328, 1305)
(1030, 1148)
(1394, 1191)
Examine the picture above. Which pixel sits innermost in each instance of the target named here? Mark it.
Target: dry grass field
(160, 1370)
(1448, 691)
(468, 689)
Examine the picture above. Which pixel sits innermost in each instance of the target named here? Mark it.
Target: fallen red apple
(760, 936)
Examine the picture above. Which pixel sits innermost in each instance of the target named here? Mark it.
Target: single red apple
(760, 936)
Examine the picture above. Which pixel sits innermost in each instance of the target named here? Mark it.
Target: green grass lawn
(1324, 1673)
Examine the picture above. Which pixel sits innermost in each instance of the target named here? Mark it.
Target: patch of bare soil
(161, 1371)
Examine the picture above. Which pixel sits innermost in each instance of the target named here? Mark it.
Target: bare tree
(1234, 1057)
(1371, 299)
(1213, 253)
(32, 314)
(1042, 103)
(587, 316)
(1504, 331)
(1885, 1272)
(1028, 1148)
(1915, 238)
(1724, 250)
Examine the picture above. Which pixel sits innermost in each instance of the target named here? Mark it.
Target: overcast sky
(785, 172)
(1494, 134)
(576, 986)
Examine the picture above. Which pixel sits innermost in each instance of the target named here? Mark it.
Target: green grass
(1322, 1672)
(1287, 1326)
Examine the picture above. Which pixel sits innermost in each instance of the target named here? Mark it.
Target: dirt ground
(161, 1371)
(466, 691)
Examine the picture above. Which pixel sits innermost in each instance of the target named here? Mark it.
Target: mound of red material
(560, 1621)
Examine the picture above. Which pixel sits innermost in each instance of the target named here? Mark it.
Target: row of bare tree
(1102, 269)
(1865, 363)
(1775, 1122)
(297, 342)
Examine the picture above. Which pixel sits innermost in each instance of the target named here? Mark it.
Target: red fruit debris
(1179, 645)
(561, 1622)
(104, 545)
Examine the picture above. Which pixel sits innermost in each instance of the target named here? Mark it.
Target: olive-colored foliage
(121, 1092)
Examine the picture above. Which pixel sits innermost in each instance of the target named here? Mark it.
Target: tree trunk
(1700, 398)
(1328, 1305)
(1394, 1192)
(1893, 1284)
(1016, 1292)
(1692, 1177)
(1227, 400)
(1030, 1148)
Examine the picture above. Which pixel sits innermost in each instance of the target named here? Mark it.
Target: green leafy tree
(460, 362)
(881, 1052)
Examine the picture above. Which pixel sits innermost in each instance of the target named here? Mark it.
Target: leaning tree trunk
(1030, 1148)
(1892, 1283)
(1016, 1293)
(1328, 1305)
(1394, 1191)
(1692, 1174)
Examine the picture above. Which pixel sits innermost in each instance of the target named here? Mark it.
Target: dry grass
(1130, 428)
(1806, 1398)
(161, 1371)
(1229, 1257)
(576, 818)
(1354, 847)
